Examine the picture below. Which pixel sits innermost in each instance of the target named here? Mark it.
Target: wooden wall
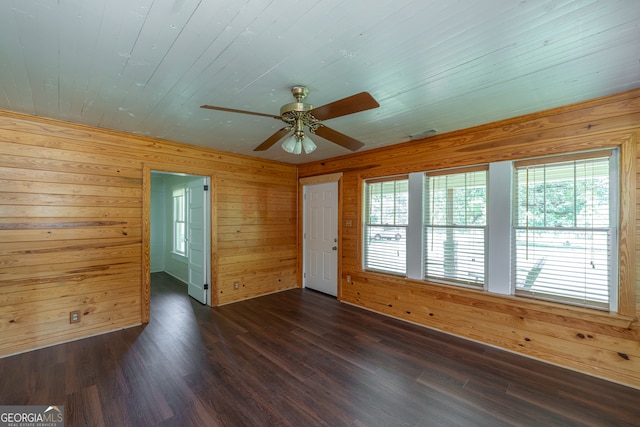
(74, 227)
(594, 342)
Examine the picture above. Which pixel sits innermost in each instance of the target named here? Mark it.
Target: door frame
(147, 168)
(302, 182)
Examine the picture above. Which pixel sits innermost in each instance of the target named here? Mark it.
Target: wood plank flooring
(300, 358)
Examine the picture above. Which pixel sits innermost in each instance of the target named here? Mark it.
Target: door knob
(335, 248)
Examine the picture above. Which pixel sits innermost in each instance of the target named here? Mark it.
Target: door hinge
(206, 188)
(304, 275)
(206, 286)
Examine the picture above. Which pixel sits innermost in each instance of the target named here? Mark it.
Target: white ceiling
(146, 66)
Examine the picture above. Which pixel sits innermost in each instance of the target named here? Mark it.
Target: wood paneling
(74, 227)
(601, 344)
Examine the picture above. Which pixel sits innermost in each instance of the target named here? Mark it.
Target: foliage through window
(386, 220)
(455, 226)
(563, 235)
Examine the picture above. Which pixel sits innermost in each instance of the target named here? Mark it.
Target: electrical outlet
(348, 278)
(236, 285)
(74, 316)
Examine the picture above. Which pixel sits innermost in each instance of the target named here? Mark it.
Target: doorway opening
(179, 230)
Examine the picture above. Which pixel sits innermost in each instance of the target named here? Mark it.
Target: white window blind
(565, 229)
(455, 226)
(385, 227)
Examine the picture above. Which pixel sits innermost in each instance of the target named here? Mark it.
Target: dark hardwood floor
(299, 358)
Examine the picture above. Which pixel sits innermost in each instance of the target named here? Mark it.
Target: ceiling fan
(299, 115)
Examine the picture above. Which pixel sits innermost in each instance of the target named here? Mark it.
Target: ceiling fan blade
(339, 138)
(232, 110)
(352, 104)
(272, 139)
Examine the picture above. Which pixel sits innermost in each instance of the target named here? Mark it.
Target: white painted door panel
(198, 240)
(321, 238)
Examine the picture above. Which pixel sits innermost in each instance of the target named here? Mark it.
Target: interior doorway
(180, 219)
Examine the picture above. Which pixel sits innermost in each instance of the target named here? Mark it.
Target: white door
(321, 237)
(198, 239)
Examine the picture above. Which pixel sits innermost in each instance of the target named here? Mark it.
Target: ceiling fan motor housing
(296, 114)
(299, 93)
(295, 107)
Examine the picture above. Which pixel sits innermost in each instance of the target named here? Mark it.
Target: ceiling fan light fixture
(298, 142)
(298, 147)
(308, 145)
(289, 144)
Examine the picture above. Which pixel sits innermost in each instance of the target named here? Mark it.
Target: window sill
(179, 257)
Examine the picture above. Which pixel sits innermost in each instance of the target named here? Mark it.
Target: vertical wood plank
(627, 232)
(214, 240)
(146, 244)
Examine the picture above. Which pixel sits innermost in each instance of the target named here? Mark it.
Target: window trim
(185, 191)
(457, 171)
(560, 158)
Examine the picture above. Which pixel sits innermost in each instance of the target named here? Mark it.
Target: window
(544, 228)
(564, 231)
(179, 224)
(455, 226)
(385, 225)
